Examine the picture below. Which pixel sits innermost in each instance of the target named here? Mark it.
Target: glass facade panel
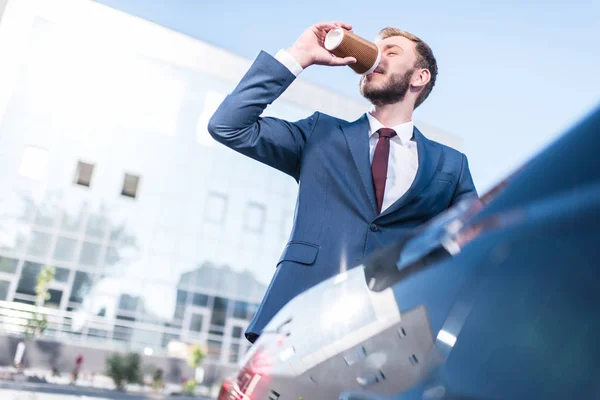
(81, 287)
(65, 249)
(71, 223)
(45, 218)
(4, 285)
(96, 226)
(39, 244)
(8, 265)
(28, 279)
(55, 298)
(90, 254)
(61, 274)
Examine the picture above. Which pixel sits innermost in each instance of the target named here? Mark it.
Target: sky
(513, 75)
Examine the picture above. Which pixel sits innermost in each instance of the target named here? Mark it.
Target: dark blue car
(498, 298)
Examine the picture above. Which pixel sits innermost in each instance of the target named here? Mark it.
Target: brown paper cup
(343, 43)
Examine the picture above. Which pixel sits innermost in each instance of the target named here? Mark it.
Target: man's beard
(393, 90)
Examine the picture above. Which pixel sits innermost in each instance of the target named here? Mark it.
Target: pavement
(46, 391)
(11, 390)
(41, 385)
(7, 394)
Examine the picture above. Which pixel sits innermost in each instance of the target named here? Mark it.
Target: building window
(219, 313)
(240, 309)
(200, 300)
(128, 302)
(4, 285)
(82, 286)
(130, 185)
(83, 174)
(216, 208)
(254, 219)
(216, 331)
(34, 164)
(196, 323)
(234, 351)
(112, 256)
(102, 334)
(28, 278)
(168, 338)
(181, 296)
(214, 349)
(55, 298)
(121, 331)
(8, 265)
(61, 274)
(180, 304)
(237, 332)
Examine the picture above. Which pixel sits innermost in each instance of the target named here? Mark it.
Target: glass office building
(157, 233)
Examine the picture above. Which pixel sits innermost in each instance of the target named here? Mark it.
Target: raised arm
(237, 123)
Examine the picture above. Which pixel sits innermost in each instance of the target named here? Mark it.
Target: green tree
(38, 321)
(197, 355)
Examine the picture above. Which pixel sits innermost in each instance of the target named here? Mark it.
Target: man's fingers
(341, 60)
(343, 25)
(325, 25)
(332, 25)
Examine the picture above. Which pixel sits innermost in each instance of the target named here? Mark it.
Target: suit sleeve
(237, 123)
(465, 187)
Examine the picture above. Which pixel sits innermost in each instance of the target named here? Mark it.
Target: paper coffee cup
(343, 43)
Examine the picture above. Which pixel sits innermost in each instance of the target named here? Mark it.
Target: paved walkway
(7, 394)
(43, 391)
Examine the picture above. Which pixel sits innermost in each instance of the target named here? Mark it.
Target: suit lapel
(358, 141)
(428, 154)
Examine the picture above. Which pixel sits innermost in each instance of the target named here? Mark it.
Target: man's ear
(420, 78)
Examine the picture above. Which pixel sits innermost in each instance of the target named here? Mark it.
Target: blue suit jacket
(336, 224)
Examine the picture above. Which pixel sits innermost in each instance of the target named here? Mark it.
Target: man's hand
(310, 49)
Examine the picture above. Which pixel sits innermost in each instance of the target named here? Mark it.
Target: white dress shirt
(403, 160)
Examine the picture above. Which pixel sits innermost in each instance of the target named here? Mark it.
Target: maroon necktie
(379, 166)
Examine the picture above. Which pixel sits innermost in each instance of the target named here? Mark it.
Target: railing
(81, 328)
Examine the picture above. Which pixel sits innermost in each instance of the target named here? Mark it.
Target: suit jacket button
(374, 228)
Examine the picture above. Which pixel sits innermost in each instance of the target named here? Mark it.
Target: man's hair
(425, 58)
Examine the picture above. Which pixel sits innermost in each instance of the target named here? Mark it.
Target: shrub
(124, 369)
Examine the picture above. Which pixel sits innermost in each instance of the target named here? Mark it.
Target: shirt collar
(404, 131)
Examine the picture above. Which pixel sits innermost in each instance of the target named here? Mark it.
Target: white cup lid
(334, 38)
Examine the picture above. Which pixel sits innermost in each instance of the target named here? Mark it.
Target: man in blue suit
(362, 184)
